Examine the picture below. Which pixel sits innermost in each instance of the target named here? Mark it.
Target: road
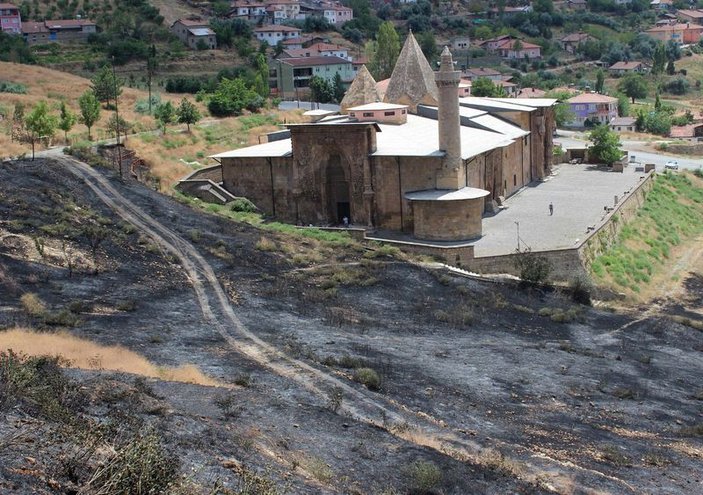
(575, 139)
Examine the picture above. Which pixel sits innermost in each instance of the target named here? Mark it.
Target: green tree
(165, 114)
(387, 51)
(106, 86)
(67, 120)
(657, 103)
(338, 87)
(151, 65)
(670, 68)
(428, 45)
(659, 59)
(634, 86)
(115, 122)
(187, 113)
(90, 109)
(563, 115)
(261, 79)
(39, 124)
(232, 96)
(483, 87)
(623, 105)
(606, 145)
(321, 90)
(600, 81)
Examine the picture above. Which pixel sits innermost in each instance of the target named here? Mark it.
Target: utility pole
(150, 68)
(517, 224)
(117, 119)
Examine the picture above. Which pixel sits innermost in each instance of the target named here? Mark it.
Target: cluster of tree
(324, 91)
(39, 124)
(606, 145)
(232, 96)
(14, 49)
(186, 113)
(128, 31)
(229, 31)
(485, 87)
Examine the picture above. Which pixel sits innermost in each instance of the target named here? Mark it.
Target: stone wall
(685, 149)
(606, 232)
(213, 173)
(568, 263)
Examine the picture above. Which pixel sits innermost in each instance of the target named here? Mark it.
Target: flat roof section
(273, 149)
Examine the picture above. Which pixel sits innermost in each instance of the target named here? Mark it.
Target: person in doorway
(551, 209)
(345, 222)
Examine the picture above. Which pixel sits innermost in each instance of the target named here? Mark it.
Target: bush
(424, 476)
(581, 291)
(532, 267)
(243, 205)
(10, 87)
(32, 305)
(368, 377)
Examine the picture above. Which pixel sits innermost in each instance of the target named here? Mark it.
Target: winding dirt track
(367, 407)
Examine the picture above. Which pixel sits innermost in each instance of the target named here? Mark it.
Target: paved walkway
(578, 192)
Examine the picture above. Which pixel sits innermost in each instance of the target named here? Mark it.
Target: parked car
(671, 165)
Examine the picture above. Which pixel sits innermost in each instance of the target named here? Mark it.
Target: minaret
(447, 80)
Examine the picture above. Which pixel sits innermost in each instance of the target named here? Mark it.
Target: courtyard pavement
(578, 193)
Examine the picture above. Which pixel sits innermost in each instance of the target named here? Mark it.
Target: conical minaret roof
(412, 81)
(361, 91)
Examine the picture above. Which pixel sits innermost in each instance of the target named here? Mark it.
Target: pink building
(383, 113)
(10, 21)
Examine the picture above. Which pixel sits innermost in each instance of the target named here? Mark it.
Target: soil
(472, 379)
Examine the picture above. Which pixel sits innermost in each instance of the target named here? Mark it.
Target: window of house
(368, 114)
(388, 114)
(514, 179)
(403, 112)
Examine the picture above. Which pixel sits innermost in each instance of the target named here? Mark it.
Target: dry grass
(55, 86)
(85, 354)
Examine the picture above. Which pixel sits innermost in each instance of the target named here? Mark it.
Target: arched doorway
(338, 206)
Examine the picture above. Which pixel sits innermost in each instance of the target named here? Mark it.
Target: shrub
(532, 267)
(32, 305)
(424, 476)
(368, 377)
(243, 205)
(581, 291)
(10, 87)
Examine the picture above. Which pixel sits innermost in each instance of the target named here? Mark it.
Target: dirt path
(416, 427)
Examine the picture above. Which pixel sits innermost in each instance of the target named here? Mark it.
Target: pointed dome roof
(412, 81)
(361, 91)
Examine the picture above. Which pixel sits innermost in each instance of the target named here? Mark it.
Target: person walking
(551, 209)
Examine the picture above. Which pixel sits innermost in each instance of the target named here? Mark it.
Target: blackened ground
(613, 403)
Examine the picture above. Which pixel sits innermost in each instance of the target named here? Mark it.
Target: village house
(623, 124)
(273, 34)
(461, 43)
(677, 33)
(592, 107)
(577, 4)
(662, 5)
(512, 49)
(293, 74)
(622, 68)
(509, 88)
(195, 33)
(249, 10)
(10, 19)
(423, 163)
(571, 42)
(692, 16)
(283, 10)
(530, 93)
(336, 14)
(491, 45)
(58, 31)
(318, 50)
(691, 132)
(482, 72)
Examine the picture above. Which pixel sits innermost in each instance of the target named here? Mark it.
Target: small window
(389, 114)
(368, 114)
(404, 112)
(352, 114)
(514, 180)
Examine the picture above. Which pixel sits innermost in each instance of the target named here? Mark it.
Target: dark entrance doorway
(338, 205)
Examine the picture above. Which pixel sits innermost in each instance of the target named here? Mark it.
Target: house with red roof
(58, 31)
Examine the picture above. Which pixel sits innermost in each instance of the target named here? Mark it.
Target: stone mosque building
(417, 160)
